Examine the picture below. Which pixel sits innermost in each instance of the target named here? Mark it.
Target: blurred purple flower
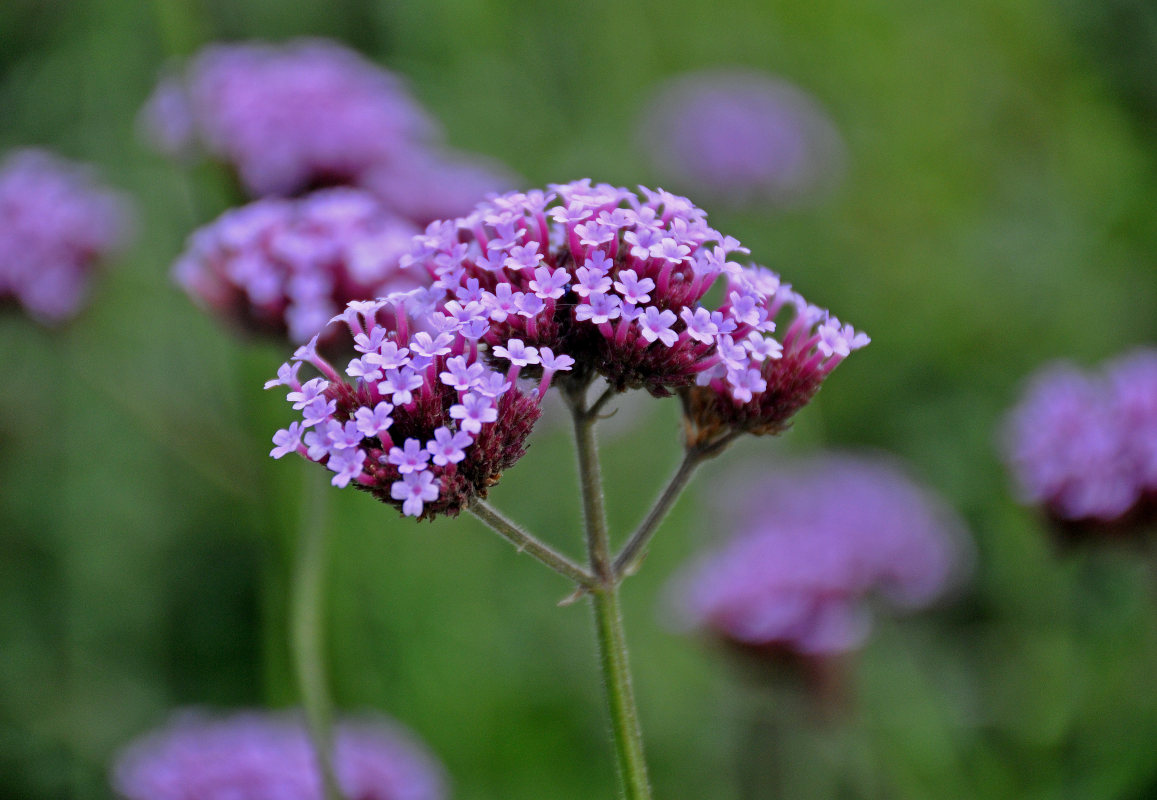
(268, 756)
(808, 548)
(56, 224)
(1084, 446)
(310, 114)
(740, 138)
(286, 266)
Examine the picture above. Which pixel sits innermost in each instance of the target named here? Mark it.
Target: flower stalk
(308, 631)
(613, 657)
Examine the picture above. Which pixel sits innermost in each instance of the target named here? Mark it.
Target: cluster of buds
(807, 549)
(56, 225)
(285, 267)
(570, 284)
(1084, 446)
(198, 756)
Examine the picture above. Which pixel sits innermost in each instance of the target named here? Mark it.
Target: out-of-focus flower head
(309, 114)
(287, 117)
(617, 280)
(809, 547)
(286, 266)
(740, 138)
(262, 756)
(56, 225)
(1083, 446)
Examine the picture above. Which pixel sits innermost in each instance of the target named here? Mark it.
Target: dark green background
(998, 212)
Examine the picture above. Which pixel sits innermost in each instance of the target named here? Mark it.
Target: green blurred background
(997, 212)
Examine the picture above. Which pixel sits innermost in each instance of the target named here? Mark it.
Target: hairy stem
(613, 659)
(308, 593)
(635, 550)
(529, 544)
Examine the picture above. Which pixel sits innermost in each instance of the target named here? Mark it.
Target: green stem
(529, 544)
(613, 659)
(308, 592)
(628, 560)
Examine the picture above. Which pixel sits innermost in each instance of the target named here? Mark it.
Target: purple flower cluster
(285, 266)
(261, 756)
(1084, 446)
(419, 419)
(740, 137)
(808, 548)
(617, 282)
(56, 224)
(309, 114)
(581, 281)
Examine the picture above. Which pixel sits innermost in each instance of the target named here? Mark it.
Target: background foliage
(997, 213)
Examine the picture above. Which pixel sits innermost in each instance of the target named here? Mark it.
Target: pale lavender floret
(632, 288)
(839, 340)
(668, 249)
(745, 383)
(286, 376)
(655, 324)
(369, 342)
(364, 369)
(318, 410)
(56, 225)
(412, 457)
(522, 257)
(642, 239)
(592, 281)
(1134, 387)
(529, 305)
(448, 447)
(400, 385)
(345, 436)
(599, 308)
(747, 309)
(259, 755)
(390, 356)
(517, 353)
(374, 422)
(549, 285)
(461, 376)
(425, 345)
(702, 325)
(761, 347)
(492, 384)
(286, 440)
(415, 489)
(502, 302)
(474, 410)
(347, 463)
(808, 548)
(553, 363)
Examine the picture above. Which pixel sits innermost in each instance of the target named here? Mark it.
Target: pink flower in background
(286, 266)
(740, 138)
(56, 225)
(262, 756)
(309, 114)
(806, 549)
(1083, 446)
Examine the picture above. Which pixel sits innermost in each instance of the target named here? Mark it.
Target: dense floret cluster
(808, 548)
(310, 114)
(740, 138)
(578, 282)
(56, 225)
(261, 756)
(1084, 446)
(285, 267)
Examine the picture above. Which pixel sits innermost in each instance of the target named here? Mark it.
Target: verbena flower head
(808, 548)
(286, 266)
(56, 225)
(1083, 446)
(617, 281)
(287, 117)
(427, 415)
(310, 114)
(740, 137)
(263, 756)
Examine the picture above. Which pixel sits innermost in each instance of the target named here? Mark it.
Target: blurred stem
(628, 736)
(529, 544)
(308, 592)
(628, 560)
